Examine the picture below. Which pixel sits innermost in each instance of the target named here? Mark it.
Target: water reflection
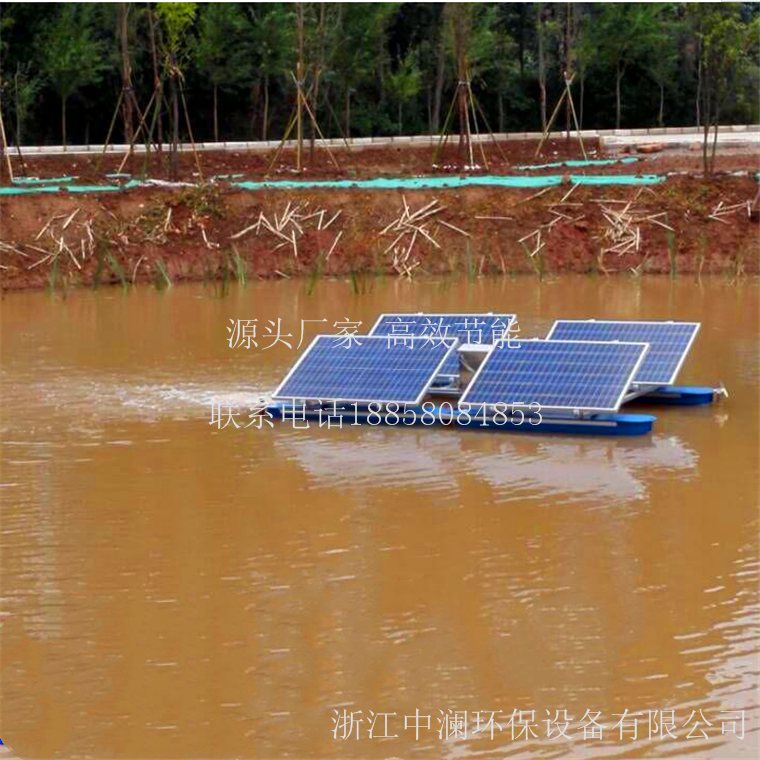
(517, 467)
(376, 459)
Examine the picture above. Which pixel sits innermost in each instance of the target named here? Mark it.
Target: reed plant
(162, 279)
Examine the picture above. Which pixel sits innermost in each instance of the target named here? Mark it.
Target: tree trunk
(521, 39)
(347, 129)
(18, 110)
(156, 77)
(661, 117)
(399, 119)
(699, 85)
(126, 75)
(299, 80)
(216, 117)
(327, 131)
(174, 163)
(265, 120)
(501, 113)
(429, 101)
(706, 133)
(439, 72)
(583, 93)
(315, 96)
(317, 72)
(63, 120)
(715, 144)
(716, 122)
(541, 64)
(618, 79)
(568, 62)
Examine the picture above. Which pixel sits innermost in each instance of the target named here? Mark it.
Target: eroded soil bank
(685, 224)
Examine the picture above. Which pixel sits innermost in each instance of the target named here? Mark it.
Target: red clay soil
(368, 162)
(147, 235)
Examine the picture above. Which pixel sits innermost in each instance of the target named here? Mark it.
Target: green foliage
(274, 38)
(370, 58)
(471, 30)
(405, 83)
(728, 46)
(223, 49)
(26, 88)
(728, 50)
(176, 18)
(68, 52)
(362, 58)
(625, 33)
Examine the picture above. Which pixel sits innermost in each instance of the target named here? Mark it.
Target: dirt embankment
(155, 235)
(365, 162)
(361, 161)
(219, 232)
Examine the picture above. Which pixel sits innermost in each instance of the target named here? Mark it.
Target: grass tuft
(162, 279)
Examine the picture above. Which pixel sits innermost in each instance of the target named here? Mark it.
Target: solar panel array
(669, 342)
(468, 328)
(370, 368)
(558, 375)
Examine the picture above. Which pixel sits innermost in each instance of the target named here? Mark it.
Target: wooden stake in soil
(566, 93)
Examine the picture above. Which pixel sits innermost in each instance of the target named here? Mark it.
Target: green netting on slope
(92, 188)
(617, 179)
(578, 163)
(104, 188)
(42, 181)
(29, 190)
(402, 183)
(382, 183)
(419, 183)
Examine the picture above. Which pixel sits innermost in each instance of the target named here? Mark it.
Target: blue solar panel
(558, 375)
(468, 328)
(371, 368)
(669, 342)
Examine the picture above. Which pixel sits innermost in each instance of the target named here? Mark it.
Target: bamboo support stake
(548, 129)
(190, 130)
(475, 122)
(110, 130)
(575, 118)
(487, 125)
(5, 146)
(136, 135)
(319, 131)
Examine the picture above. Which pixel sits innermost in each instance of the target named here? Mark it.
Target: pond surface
(174, 590)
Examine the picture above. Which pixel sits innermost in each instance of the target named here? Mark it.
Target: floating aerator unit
(574, 381)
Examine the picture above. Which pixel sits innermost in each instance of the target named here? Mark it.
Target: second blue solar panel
(669, 342)
(557, 375)
(365, 369)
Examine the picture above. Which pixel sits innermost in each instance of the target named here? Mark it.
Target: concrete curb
(748, 132)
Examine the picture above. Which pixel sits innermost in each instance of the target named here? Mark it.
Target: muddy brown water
(174, 590)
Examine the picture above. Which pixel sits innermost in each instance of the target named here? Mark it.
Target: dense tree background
(370, 69)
